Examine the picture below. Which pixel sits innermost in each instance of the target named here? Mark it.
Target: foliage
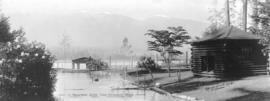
(96, 64)
(147, 63)
(5, 34)
(26, 68)
(219, 16)
(211, 30)
(261, 21)
(165, 42)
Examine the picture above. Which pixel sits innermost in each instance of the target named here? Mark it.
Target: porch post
(78, 65)
(73, 65)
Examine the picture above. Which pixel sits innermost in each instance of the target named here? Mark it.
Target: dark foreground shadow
(28, 88)
(27, 98)
(194, 83)
(143, 72)
(251, 95)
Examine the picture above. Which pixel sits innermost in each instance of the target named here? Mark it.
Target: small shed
(231, 52)
(79, 61)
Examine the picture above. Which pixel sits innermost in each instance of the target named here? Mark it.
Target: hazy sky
(26, 14)
(188, 9)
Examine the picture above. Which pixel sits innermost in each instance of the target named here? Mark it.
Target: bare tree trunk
(170, 61)
(178, 75)
(152, 76)
(228, 22)
(245, 15)
(169, 68)
(166, 60)
(151, 73)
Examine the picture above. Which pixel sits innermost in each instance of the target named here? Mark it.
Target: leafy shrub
(147, 63)
(26, 69)
(96, 64)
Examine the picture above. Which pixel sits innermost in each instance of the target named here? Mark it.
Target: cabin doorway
(208, 63)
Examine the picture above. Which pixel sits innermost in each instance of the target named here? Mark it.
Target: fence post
(131, 61)
(110, 60)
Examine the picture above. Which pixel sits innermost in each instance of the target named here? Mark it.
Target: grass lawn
(255, 88)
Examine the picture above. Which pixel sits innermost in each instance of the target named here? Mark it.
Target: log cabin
(231, 52)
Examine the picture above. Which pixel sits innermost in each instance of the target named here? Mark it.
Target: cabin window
(208, 63)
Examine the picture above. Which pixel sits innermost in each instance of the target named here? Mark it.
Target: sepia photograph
(134, 50)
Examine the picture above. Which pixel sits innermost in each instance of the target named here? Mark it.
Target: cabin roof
(229, 33)
(81, 60)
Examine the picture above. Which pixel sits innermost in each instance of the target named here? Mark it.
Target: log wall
(232, 58)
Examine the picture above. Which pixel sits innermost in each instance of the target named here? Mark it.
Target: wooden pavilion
(79, 61)
(231, 52)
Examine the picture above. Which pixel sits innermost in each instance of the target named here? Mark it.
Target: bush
(26, 69)
(28, 75)
(96, 64)
(147, 63)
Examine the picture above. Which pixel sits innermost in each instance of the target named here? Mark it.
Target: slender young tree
(148, 64)
(65, 43)
(166, 41)
(126, 47)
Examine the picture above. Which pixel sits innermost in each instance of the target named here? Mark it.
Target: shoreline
(206, 88)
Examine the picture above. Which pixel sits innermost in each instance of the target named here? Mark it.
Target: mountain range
(98, 31)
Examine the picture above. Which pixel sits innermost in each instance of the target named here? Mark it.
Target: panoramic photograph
(134, 50)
